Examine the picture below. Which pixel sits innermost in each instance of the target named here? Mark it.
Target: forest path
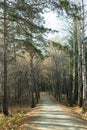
(49, 115)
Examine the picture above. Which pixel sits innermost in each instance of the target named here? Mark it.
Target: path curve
(49, 115)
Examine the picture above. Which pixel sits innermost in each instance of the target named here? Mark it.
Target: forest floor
(47, 115)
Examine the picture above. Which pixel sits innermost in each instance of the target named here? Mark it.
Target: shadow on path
(51, 116)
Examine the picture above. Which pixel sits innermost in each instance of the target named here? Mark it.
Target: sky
(58, 23)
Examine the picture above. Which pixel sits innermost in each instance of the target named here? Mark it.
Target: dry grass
(17, 114)
(18, 109)
(77, 110)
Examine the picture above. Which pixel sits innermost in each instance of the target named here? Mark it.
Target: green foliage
(65, 4)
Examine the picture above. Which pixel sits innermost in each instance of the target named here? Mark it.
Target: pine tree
(5, 97)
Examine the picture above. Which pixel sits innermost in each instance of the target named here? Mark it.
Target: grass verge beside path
(17, 115)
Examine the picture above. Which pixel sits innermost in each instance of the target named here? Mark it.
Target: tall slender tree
(83, 56)
(5, 97)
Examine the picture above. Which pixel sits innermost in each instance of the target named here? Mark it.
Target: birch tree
(83, 57)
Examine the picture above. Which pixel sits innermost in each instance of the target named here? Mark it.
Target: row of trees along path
(30, 63)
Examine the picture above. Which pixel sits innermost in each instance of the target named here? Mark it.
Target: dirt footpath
(49, 115)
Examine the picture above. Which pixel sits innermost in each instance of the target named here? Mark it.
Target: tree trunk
(5, 96)
(83, 58)
(32, 82)
(79, 63)
(75, 61)
(73, 83)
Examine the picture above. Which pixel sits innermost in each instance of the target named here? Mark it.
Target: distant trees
(62, 72)
(58, 71)
(76, 50)
(22, 85)
(23, 30)
(79, 54)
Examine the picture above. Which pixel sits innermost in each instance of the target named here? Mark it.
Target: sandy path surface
(49, 115)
